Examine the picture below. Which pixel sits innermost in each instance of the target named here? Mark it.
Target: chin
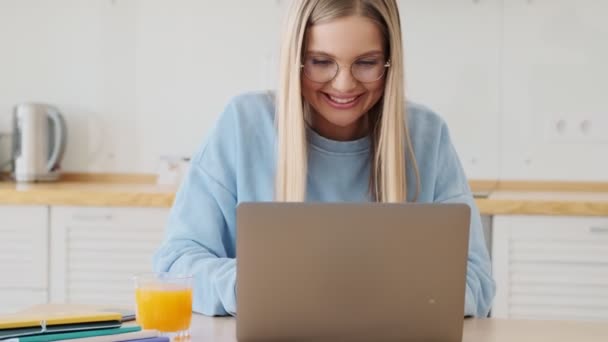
(342, 119)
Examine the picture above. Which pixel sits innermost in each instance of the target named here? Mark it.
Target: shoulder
(246, 108)
(441, 173)
(244, 126)
(250, 114)
(254, 104)
(421, 117)
(253, 101)
(246, 115)
(428, 130)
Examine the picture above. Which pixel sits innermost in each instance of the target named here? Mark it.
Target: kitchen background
(522, 83)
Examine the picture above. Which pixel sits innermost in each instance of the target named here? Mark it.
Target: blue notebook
(77, 334)
(152, 339)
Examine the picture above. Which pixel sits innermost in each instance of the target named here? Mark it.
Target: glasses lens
(368, 69)
(320, 69)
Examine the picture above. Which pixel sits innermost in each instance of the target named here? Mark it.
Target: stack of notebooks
(73, 326)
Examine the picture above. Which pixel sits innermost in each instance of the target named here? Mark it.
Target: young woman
(338, 129)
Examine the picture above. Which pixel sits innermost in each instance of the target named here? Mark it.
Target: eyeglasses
(322, 69)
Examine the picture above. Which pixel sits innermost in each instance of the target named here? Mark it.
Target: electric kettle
(39, 139)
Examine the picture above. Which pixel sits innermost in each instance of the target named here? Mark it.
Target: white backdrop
(521, 83)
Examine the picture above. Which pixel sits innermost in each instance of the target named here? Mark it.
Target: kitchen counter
(493, 198)
(98, 194)
(544, 203)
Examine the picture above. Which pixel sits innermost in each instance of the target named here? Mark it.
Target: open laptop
(351, 271)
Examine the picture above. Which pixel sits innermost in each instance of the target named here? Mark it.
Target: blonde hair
(388, 128)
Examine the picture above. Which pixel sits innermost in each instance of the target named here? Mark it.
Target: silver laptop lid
(346, 271)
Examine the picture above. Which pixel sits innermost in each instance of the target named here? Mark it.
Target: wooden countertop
(544, 203)
(87, 194)
(494, 198)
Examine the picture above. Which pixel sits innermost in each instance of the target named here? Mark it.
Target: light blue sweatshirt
(236, 163)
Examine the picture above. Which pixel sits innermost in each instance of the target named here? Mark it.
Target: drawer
(133, 218)
(559, 240)
(551, 267)
(559, 228)
(24, 247)
(98, 250)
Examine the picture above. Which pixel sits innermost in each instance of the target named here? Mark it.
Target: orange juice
(164, 308)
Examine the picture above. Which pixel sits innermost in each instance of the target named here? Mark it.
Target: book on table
(61, 318)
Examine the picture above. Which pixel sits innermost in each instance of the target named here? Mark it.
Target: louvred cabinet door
(96, 251)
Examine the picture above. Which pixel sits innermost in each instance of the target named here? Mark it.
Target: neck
(355, 131)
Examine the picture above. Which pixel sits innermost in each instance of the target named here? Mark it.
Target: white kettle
(39, 139)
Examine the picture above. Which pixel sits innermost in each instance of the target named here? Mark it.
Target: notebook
(77, 335)
(127, 312)
(26, 324)
(142, 335)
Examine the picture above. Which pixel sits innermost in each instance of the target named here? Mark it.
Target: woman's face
(340, 105)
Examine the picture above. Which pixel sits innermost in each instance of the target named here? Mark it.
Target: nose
(344, 82)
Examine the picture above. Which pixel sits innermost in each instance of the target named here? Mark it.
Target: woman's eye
(372, 62)
(322, 62)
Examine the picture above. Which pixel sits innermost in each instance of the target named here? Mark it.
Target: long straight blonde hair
(387, 119)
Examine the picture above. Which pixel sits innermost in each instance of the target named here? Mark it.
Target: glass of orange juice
(164, 303)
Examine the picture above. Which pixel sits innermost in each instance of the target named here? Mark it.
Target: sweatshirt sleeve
(451, 186)
(200, 236)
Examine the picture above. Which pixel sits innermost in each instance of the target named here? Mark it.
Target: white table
(475, 330)
(223, 329)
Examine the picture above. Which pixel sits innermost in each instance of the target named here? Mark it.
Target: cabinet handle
(597, 229)
(93, 217)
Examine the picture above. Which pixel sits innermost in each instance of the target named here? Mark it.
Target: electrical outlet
(584, 129)
(593, 129)
(558, 130)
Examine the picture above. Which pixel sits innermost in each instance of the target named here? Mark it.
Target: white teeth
(342, 101)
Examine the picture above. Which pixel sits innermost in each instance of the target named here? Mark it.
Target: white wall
(452, 58)
(81, 57)
(554, 68)
(135, 79)
(138, 79)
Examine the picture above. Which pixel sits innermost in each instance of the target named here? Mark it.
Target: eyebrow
(367, 54)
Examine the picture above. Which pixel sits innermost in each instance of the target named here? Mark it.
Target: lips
(341, 102)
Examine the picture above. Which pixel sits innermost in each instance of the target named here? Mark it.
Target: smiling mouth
(341, 102)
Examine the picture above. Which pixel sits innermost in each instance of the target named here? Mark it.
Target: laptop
(351, 271)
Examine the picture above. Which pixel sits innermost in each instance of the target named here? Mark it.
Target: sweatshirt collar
(335, 146)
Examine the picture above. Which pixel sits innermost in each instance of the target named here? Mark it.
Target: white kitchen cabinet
(96, 251)
(23, 256)
(550, 267)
